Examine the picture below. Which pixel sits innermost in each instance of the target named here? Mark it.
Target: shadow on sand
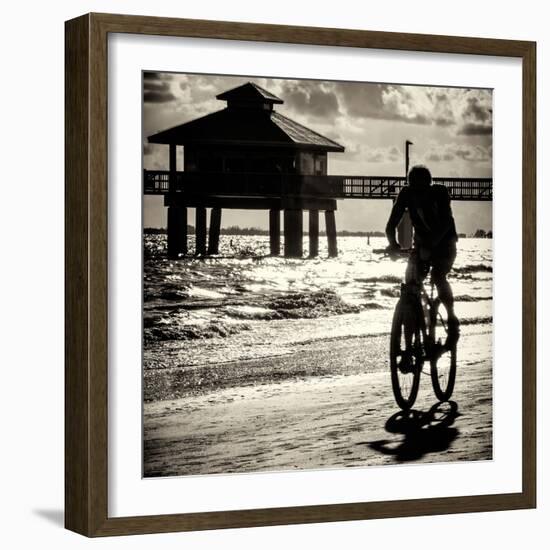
(423, 432)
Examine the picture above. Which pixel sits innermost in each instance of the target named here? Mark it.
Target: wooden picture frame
(86, 283)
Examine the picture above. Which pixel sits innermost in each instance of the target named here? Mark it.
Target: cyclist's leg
(417, 269)
(414, 275)
(441, 265)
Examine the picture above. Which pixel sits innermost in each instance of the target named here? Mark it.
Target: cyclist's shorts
(441, 261)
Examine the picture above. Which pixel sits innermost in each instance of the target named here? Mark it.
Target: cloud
(297, 99)
(443, 113)
(406, 104)
(460, 111)
(477, 110)
(147, 75)
(310, 99)
(151, 76)
(156, 89)
(387, 102)
(148, 148)
(373, 154)
(155, 157)
(463, 111)
(437, 157)
(362, 101)
(457, 151)
(158, 97)
(451, 127)
(472, 129)
(475, 153)
(476, 116)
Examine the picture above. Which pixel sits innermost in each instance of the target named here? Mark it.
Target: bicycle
(418, 327)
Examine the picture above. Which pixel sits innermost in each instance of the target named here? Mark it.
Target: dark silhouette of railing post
(275, 232)
(313, 233)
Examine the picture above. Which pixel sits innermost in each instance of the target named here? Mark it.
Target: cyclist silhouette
(435, 238)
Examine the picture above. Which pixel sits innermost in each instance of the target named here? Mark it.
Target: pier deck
(157, 182)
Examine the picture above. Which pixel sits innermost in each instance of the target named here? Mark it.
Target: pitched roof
(303, 135)
(247, 127)
(249, 92)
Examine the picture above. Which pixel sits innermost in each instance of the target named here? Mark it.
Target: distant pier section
(249, 156)
(157, 182)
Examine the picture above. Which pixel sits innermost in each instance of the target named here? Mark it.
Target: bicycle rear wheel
(406, 363)
(442, 363)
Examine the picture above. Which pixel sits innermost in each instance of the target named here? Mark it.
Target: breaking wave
(482, 320)
(294, 305)
(162, 331)
(260, 306)
(311, 305)
(469, 298)
(471, 268)
(381, 279)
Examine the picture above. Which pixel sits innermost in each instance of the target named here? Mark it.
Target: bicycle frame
(429, 305)
(417, 317)
(427, 301)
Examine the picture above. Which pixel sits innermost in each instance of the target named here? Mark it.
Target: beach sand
(328, 405)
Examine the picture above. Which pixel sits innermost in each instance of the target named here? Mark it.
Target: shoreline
(305, 362)
(323, 358)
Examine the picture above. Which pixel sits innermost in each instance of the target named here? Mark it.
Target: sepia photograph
(317, 274)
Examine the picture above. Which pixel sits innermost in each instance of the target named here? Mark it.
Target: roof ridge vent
(250, 96)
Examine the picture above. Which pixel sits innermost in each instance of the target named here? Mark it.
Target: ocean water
(244, 304)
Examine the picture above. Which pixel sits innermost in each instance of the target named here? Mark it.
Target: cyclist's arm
(397, 212)
(446, 219)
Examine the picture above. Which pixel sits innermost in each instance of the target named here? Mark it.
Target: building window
(307, 164)
(319, 165)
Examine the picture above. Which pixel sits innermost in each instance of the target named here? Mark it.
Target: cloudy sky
(451, 129)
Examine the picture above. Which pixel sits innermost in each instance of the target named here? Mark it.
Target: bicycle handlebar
(403, 252)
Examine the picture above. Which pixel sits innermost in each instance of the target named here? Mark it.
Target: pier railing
(157, 182)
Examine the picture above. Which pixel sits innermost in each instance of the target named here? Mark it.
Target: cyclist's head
(419, 177)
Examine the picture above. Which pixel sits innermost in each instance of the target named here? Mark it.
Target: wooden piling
(177, 231)
(214, 232)
(313, 233)
(275, 232)
(200, 230)
(330, 222)
(293, 230)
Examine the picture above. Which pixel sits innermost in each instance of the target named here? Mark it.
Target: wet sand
(354, 355)
(328, 405)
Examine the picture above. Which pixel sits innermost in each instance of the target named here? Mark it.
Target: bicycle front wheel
(443, 362)
(406, 357)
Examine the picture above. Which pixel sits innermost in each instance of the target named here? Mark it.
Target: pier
(157, 182)
(248, 156)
